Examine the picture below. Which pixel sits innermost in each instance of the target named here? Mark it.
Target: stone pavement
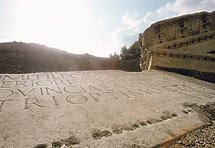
(99, 109)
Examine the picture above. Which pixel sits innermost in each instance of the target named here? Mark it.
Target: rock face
(100, 109)
(186, 42)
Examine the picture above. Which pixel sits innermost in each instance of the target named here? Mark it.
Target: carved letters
(41, 91)
(53, 89)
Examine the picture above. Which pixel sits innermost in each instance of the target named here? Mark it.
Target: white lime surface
(41, 108)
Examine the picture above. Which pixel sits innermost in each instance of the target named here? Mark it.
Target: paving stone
(63, 109)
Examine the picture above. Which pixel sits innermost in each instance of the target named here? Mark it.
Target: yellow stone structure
(186, 42)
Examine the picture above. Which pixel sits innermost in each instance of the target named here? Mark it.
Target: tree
(114, 56)
(129, 58)
(124, 53)
(133, 52)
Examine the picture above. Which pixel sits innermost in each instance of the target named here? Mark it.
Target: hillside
(18, 57)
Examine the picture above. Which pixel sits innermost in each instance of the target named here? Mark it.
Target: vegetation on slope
(128, 60)
(18, 57)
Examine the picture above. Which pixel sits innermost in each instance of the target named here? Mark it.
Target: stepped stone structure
(186, 42)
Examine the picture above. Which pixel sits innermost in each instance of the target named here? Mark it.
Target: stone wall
(180, 43)
(179, 28)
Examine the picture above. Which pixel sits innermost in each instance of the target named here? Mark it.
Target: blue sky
(97, 27)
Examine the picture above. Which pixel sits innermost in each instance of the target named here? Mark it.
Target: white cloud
(190, 6)
(70, 25)
(133, 24)
(64, 24)
(127, 33)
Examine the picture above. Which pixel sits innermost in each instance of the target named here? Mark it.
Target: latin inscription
(73, 88)
(45, 90)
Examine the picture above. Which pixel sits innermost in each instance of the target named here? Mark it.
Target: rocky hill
(18, 57)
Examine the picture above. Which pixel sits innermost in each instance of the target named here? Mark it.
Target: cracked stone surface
(102, 109)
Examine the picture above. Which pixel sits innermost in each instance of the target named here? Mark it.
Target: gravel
(199, 138)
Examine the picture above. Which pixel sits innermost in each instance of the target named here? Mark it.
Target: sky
(96, 27)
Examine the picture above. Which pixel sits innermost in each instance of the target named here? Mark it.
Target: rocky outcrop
(186, 42)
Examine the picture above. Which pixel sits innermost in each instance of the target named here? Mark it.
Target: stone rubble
(199, 138)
